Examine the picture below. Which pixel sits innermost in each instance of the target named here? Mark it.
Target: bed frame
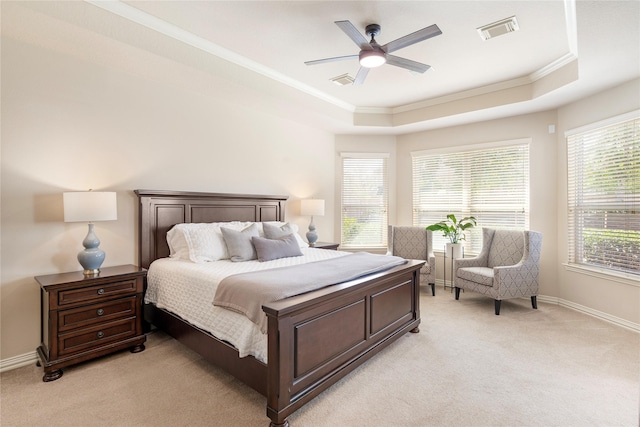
(314, 339)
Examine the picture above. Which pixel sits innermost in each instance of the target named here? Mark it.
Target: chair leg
(534, 302)
(497, 305)
(433, 289)
(457, 293)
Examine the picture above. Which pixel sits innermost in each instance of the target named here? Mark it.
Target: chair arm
(521, 275)
(431, 260)
(430, 254)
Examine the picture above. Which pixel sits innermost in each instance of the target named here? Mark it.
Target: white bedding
(187, 289)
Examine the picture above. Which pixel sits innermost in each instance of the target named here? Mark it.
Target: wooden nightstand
(84, 317)
(326, 245)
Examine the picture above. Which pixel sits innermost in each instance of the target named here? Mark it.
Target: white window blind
(365, 198)
(490, 183)
(604, 194)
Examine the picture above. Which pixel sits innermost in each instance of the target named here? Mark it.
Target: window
(488, 181)
(604, 194)
(365, 199)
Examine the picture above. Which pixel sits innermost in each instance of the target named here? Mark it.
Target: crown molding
(136, 15)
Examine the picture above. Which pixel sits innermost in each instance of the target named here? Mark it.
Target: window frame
(467, 206)
(573, 236)
(382, 245)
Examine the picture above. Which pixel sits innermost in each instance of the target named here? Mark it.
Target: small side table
(84, 317)
(451, 267)
(326, 245)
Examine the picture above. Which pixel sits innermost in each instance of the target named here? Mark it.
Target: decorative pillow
(273, 231)
(270, 249)
(276, 229)
(239, 242)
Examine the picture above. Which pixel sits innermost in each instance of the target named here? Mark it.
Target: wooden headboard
(161, 210)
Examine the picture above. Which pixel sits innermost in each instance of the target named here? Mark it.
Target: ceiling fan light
(372, 58)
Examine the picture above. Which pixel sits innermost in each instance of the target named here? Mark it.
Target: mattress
(187, 289)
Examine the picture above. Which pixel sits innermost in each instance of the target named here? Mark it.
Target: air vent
(343, 80)
(499, 28)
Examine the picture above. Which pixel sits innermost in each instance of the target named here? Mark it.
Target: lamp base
(92, 257)
(312, 236)
(91, 260)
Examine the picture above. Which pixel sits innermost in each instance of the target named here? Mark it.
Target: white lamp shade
(311, 207)
(89, 206)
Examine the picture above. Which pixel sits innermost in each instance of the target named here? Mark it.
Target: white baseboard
(635, 327)
(18, 361)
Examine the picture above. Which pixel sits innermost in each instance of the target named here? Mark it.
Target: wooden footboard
(317, 338)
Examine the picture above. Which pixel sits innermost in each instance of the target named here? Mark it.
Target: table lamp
(312, 207)
(90, 206)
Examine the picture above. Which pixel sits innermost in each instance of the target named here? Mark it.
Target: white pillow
(198, 242)
(178, 247)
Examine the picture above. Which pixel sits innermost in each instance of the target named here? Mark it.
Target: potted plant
(454, 230)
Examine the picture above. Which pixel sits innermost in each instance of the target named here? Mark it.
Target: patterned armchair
(415, 243)
(507, 266)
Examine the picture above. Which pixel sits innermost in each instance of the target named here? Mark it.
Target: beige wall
(69, 124)
(619, 297)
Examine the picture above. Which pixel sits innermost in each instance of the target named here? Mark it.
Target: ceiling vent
(343, 80)
(499, 28)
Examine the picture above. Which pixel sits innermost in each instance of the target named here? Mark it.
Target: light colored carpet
(467, 367)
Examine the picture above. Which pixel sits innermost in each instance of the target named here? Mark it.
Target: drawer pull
(100, 312)
(100, 334)
(100, 291)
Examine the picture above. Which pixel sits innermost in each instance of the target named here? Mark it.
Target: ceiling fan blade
(353, 34)
(407, 63)
(408, 40)
(362, 74)
(336, 58)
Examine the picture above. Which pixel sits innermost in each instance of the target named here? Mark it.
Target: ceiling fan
(373, 55)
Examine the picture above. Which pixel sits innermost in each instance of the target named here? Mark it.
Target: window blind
(490, 183)
(365, 197)
(604, 195)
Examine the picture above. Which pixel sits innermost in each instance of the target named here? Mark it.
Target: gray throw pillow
(270, 249)
(272, 231)
(239, 242)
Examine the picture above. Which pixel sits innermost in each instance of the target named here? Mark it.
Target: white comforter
(187, 289)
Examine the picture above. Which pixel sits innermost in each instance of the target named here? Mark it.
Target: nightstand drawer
(96, 336)
(98, 313)
(97, 292)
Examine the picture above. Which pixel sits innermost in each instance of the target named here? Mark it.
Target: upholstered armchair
(507, 266)
(415, 243)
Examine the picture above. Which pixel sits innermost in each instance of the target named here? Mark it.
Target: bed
(313, 339)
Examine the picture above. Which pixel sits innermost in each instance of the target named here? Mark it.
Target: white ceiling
(564, 50)
(283, 35)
